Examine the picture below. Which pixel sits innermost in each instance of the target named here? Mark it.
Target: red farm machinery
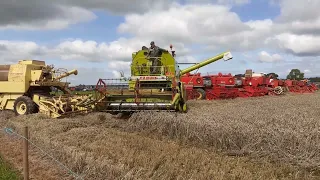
(210, 86)
(226, 86)
(302, 86)
(258, 84)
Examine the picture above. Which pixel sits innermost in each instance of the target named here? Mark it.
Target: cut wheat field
(256, 138)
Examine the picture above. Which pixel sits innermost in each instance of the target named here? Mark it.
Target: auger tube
(75, 72)
(226, 56)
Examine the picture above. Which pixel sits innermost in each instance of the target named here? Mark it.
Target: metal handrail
(164, 69)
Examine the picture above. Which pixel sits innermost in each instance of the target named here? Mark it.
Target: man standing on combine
(155, 56)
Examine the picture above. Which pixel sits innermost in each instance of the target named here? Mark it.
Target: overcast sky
(98, 36)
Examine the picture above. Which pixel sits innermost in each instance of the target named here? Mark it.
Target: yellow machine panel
(25, 87)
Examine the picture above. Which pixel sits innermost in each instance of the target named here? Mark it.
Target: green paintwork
(140, 65)
(169, 69)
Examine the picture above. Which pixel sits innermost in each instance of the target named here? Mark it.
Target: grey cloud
(120, 6)
(303, 53)
(3, 47)
(227, 30)
(298, 10)
(15, 12)
(302, 30)
(298, 17)
(38, 12)
(57, 14)
(232, 2)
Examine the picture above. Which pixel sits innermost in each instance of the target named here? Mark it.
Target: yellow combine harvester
(25, 88)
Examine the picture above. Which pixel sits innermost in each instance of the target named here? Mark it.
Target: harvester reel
(278, 90)
(60, 104)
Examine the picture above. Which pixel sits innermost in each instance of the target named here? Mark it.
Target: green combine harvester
(149, 89)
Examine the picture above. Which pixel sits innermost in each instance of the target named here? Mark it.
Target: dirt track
(258, 138)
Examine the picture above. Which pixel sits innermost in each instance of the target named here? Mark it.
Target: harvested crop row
(281, 128)
(94, 150)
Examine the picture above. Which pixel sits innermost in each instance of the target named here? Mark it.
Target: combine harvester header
(149, 87)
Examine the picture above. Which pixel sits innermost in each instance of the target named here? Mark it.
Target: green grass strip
(7, 172)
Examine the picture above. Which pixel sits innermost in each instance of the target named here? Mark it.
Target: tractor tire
(24, 105)
(202, 94)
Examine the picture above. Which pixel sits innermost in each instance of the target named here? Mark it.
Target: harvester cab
(147, 88)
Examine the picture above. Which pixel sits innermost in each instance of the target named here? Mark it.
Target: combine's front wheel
(183, 108)
(24, 105)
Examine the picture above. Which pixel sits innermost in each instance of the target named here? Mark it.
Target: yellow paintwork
(33, 62)
(34, 73)
(21, 107)
(75, 72)
(13, 87)
(7, 100)
(55, 107)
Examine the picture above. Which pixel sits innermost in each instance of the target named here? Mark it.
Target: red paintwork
(296, 86)
(222, 85)
(276, 82)
(222, 92)
(194, 80)
(225, 86)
